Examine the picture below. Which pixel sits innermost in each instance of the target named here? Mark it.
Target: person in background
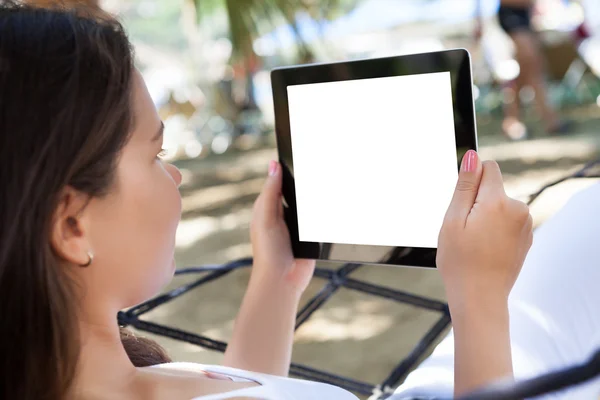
(515, 19)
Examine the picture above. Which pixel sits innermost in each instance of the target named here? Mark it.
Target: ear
(69, 231)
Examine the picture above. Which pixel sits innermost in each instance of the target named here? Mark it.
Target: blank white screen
(374, 159)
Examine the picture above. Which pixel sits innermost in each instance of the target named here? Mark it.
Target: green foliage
(246, 17)
(155, 22)
(159, 21)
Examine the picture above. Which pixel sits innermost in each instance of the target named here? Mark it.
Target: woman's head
(79, 177)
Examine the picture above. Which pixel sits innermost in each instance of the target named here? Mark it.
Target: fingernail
(272, 167)
(469, 163)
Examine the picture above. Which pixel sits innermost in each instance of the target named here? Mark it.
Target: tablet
(370, 151)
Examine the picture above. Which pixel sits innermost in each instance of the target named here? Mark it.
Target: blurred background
(207, 65)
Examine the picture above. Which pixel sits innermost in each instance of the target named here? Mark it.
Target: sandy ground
(354, 334)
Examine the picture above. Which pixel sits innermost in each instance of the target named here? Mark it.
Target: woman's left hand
(263, 333)
(274, 262)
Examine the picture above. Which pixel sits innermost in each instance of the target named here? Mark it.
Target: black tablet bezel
(456, 61)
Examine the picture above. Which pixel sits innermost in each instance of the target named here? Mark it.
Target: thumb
(268, 205)
(467, 186)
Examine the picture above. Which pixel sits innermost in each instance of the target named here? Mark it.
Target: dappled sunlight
(541, 150)
(193, 230)
(232, 174)
(256, 166)
(218, 195)
(358, 322)
(211, 171)
(529, 165)
(361, 327)
(239, 251)
(531, 181)
(223, 332)
(555, 198)
(192, 348)
(190, 231)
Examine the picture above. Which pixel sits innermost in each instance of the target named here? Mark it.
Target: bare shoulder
(175, 384)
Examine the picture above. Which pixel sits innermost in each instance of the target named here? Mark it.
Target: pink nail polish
(272, 167)
(469, 163)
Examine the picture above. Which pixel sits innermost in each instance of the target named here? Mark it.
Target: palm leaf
(244, 17)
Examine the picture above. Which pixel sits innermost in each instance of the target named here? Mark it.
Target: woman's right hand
(484, 238)
(482, 245)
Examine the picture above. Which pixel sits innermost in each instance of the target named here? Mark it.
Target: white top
(269, 387)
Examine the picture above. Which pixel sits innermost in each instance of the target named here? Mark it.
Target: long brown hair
(65, 115)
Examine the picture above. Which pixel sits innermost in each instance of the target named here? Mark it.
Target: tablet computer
(370, 152)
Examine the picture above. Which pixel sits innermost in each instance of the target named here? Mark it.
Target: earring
(90, 259)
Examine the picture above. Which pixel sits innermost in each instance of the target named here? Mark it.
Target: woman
(514, 17)
(89, 213)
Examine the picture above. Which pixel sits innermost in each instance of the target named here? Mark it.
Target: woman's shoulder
(182, 367)
(186, 381)
(269, 386)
